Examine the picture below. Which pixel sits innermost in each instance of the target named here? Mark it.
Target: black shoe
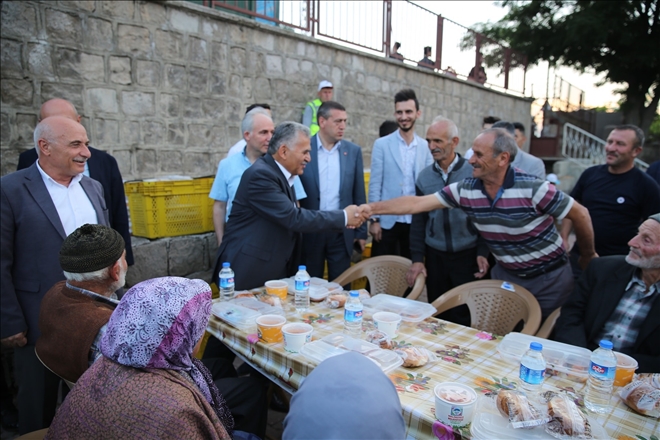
(277, 404)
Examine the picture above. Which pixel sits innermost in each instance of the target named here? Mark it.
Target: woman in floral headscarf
(148, 384)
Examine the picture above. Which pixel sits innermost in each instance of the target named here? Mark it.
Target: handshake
(356, 215)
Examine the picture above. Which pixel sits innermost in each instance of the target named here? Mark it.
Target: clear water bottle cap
(225, 264)
(536, 346)
(606, 344)
(354, 293)
(301, 267)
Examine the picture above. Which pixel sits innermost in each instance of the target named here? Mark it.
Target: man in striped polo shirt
(514, 213)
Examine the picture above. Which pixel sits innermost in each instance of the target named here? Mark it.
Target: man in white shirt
(396, 161)
(334, 179)
(40, 206)
(240, 145)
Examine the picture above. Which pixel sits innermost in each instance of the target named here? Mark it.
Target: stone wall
(163, 86)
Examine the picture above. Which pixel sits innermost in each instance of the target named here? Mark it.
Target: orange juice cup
(625, 369)
(277, 288)
(269, 328)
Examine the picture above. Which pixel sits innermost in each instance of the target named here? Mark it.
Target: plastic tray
(235, 315)
(564, 360)
(410, 310)
(488, 424)
(338, 343)
(319, 289)
(259, 306)
(319, 351)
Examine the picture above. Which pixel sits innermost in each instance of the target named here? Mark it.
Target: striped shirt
(518, 224)
(623, 326)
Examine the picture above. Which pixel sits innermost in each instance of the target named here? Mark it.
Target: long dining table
(465, 355)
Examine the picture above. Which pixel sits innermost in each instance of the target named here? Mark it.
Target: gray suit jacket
(262, 236)
(351, 186)
(32, 235)
(386, 173)
(529, 164)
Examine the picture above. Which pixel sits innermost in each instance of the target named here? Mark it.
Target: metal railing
(375, 26)
(584, 148)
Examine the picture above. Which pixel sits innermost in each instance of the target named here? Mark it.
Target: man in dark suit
(101, 167)
(616, 298)
(333, 180)
(262, 236)
(39, 207)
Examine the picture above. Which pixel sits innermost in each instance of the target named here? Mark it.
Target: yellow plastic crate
(170, 208)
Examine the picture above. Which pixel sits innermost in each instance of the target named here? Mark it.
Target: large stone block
(198, 164)
(130, 133)
(118, 9)
(265, 40)
(274, 65)
(211, 248)
(151, 12)
(262, 89)
(217, 140)
(120, 70)
(239, 35)
(87, 5)
(99, 34)
(292, 69)
(214, 109)
(235, 86)
(373, 83)
(11, 64)
(145, 161)
(219, 56)
(169, 105)
(5, 129)
(25, 124)
(39, 60)
(198, 79)
(153, 133)
(106, 132)
(148, 73)
(237, 60)
(198, 52)
(192, 107)
(169, 45)
(218, 83)
(234, 111)
(70, 92)
(175, 77)
(138, 103)
(133, 39)
(184, 21)
(186, 255)
(176, 135)
(8, 161)
(72, 64)
(214, 29)
(64, 27)
(17, 92)
(150, 262)
(102, 100)
(198, 135)
(19, 19)
(170, 161)
(123, 158)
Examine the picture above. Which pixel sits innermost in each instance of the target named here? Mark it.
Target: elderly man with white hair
(616, 298)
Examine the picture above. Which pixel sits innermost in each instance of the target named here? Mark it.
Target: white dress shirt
(72, 204)
(329, 176)
(408, 154)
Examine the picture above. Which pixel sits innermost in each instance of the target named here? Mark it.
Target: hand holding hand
(365, 210)
(18, 340)
(415, 270)
(482, 263)
(353, 216)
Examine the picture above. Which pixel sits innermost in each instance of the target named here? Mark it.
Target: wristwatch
(375, 220)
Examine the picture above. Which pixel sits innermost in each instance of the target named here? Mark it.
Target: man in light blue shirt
(257, 128)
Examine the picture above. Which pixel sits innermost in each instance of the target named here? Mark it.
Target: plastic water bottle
(601, 378)
(226, 283)
(353, 315)
(532, 368)
(302, 289)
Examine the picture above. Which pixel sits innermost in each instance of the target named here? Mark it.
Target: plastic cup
(454, 403)
(625, 369)
(278, 288)
(269, 328)
(388, 323)
(296, 335)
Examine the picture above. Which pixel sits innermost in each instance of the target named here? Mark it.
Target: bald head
(58, 107)
(62, 145)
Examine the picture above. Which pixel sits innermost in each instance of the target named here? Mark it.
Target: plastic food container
(236, 315)
(410, 310)
(319, 288)
(319, 351)
(454, 412)
(488, 424)
(338, 343)
(562, 360)
(259, 306)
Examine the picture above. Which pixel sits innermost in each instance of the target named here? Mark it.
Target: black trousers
(394, 241)
(325, 246)
(37, 391)
(447, 270)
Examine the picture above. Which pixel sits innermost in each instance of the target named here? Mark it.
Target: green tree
(620, 39)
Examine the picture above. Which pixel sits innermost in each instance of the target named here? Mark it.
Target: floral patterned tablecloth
(465, 355)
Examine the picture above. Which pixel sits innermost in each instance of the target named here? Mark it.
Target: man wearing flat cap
(616, 298)
(74, 313)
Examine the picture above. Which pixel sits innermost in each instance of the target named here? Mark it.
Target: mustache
(437, 150)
